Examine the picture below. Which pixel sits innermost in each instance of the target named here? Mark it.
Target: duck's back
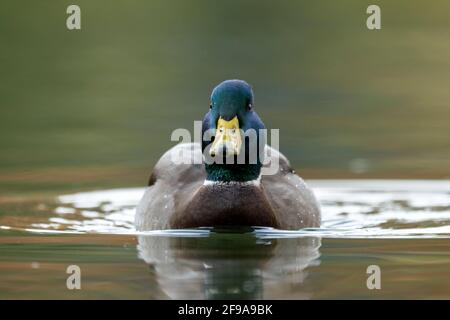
(175, 178)
(292, 200)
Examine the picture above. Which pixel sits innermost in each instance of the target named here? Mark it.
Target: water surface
(402, 226)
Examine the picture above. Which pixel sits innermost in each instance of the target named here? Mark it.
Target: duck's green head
(231, 118)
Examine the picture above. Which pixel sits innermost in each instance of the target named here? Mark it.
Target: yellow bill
(228, 139)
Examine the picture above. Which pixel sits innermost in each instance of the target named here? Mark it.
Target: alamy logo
(73, 21)
(246, 147)
(374, 280)
(74, 280)
(374, 20)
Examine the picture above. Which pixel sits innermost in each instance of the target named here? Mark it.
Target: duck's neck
(232, 172)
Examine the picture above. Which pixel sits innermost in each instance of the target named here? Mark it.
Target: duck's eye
(210, 105)
(249, 106)
(221, 129)
(233, 131)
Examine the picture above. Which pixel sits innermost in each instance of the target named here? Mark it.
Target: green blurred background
(96, 107)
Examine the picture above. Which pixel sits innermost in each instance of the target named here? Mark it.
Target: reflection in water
(409, 219)
(265, 263)
(229, 265)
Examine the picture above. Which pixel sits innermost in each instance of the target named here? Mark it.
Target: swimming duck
(205, 192)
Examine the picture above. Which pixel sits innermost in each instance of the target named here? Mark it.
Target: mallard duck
(201, 193)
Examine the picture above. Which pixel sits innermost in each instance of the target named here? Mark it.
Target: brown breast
(226, 204)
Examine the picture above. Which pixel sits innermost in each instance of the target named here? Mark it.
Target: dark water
(401, 226)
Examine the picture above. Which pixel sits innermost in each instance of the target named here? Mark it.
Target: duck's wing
(175, 178)
(290, 197)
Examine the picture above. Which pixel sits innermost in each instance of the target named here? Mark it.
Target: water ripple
(350, 209)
